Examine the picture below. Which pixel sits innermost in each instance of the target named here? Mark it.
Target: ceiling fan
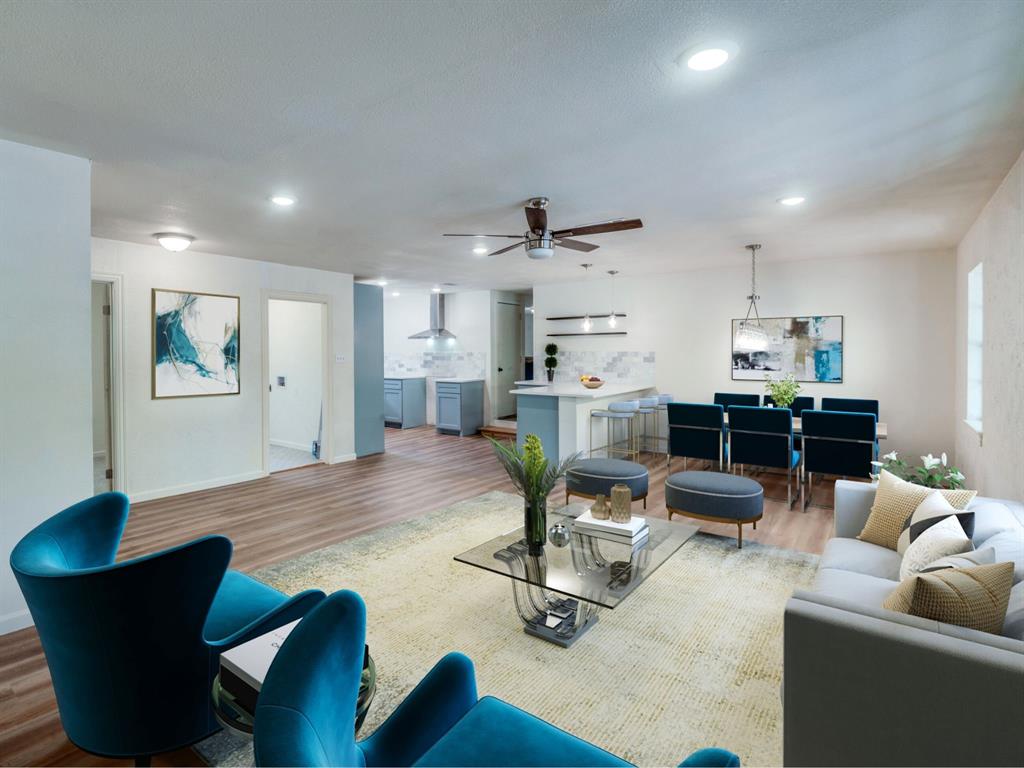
(540, 241)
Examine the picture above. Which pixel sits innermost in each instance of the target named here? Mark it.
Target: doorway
(295, 371)
(508, 353)
(102, 393)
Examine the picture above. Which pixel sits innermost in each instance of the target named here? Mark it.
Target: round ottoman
(715, 496)
(590, 477)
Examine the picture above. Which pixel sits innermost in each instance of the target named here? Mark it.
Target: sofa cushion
(861, 557)
(943, 539)
(1009, 547)
(895, 501)
(991, 517)
(976, 598)
(858, 588)
(1013, 626)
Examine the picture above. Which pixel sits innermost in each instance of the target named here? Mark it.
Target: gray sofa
(867, 686)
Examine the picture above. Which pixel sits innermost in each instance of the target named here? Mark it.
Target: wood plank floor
(300, 510)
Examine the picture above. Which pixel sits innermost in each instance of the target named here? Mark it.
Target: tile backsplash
(439, 364)
(630, 367)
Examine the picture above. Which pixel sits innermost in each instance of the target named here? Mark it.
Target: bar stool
(621, 412)
(663, 400)
(648, 407)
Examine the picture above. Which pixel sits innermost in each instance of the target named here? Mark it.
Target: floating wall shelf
(592, 333)
(580, 317)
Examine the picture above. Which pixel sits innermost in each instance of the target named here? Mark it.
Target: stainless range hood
(436, 329)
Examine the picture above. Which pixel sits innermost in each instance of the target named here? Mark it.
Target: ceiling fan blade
(517, 237)
(537, 219)
(577, 245)
(615, 225)
(505, 250)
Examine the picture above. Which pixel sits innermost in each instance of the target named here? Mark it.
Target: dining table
(881, 428)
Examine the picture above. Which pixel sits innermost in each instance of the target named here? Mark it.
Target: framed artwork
(195, 344)
(811, 348)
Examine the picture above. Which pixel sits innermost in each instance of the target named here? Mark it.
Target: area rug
(692, 658)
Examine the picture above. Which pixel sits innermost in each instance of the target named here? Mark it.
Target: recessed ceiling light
(283, 200)
(794, 200)
(707, 59)
(480, 250)
(395, 293)
(382, 283)
(436, 290)
(174, 241)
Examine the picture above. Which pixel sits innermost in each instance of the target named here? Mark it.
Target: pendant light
(612, 320)
(750, 336)
(587, 322)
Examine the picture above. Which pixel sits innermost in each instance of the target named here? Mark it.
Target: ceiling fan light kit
(539, 241)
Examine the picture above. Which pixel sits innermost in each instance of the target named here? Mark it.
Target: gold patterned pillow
(895, 501)
(975, 598)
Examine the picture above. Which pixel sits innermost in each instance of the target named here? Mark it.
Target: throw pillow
(985, 556)
(934, 508)
(943, 539)
(895, 501)
(975, 598)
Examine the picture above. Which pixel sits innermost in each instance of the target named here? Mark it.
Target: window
(975, 336)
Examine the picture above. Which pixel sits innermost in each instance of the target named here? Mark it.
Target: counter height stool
(621, 412)
(648, 407)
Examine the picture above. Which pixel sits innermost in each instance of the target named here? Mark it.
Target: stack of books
(633, 533)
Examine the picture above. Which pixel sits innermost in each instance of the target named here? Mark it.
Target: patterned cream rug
(693, 658)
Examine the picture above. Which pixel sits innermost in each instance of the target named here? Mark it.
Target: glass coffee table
(559, 593)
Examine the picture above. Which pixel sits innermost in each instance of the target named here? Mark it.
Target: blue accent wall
(538, 416)
(368, 364)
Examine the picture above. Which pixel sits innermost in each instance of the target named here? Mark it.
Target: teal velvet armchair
(305, 714)
(133, 647)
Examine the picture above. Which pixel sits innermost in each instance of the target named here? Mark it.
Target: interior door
(509, 352)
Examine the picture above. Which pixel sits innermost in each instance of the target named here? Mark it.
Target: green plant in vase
(551, 361)
(534, 477)
(782, 391)
(934, 472)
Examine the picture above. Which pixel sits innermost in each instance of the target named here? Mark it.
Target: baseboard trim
(305, 447)
(12, 622)
(203, 485)
(343, 458)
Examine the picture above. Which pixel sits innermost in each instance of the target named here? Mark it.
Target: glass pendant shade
(587, 324)
(750, 335)
(612, 320)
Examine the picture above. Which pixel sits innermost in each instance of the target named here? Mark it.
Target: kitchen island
(559, 413)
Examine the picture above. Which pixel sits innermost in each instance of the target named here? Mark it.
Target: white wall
(100, 367)
(175, 446)
(898, 322)
(296, 352)
(996, 466)
(45, 390)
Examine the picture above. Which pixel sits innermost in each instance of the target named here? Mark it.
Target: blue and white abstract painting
(195, 344)
(811, 348)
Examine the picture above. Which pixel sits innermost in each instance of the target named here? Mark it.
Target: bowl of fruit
(591, 382)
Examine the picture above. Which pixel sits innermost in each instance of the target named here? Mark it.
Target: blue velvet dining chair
(850, 405)
(305, 714)
(695, 431)
(800, 404)
(764, 437)
(836, 443)
(729, 399)
(133, 647)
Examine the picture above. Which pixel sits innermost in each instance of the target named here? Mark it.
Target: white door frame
(326, 370)
(117, 358)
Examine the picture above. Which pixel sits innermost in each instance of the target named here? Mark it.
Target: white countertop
(578, 391)
(406, 376)
(532, 383)
(456, 381)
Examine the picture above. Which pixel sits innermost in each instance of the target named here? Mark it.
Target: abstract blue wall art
(811, 348)
(195, 344)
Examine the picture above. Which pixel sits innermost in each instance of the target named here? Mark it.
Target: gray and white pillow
(934, 508)
(942, 539)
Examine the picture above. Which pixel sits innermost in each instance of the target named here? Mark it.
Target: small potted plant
(783, 391)
(551, 362)
(534, 477)
(934, 471)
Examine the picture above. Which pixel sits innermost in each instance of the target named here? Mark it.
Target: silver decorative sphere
(558, 535)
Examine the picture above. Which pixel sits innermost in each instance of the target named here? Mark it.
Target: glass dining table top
(588, 567)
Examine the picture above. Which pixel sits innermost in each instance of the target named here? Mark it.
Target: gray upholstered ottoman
(590, 477)
(715, 496)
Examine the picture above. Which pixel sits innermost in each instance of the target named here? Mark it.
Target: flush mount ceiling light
(791, 201)
(480, 250)
(750, 335)
(708, 55)
(282, 200)
(174, 241)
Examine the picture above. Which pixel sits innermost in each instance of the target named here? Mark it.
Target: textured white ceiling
(394, 122)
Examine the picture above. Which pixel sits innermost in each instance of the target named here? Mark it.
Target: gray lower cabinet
(405, 402)
(460, 407)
